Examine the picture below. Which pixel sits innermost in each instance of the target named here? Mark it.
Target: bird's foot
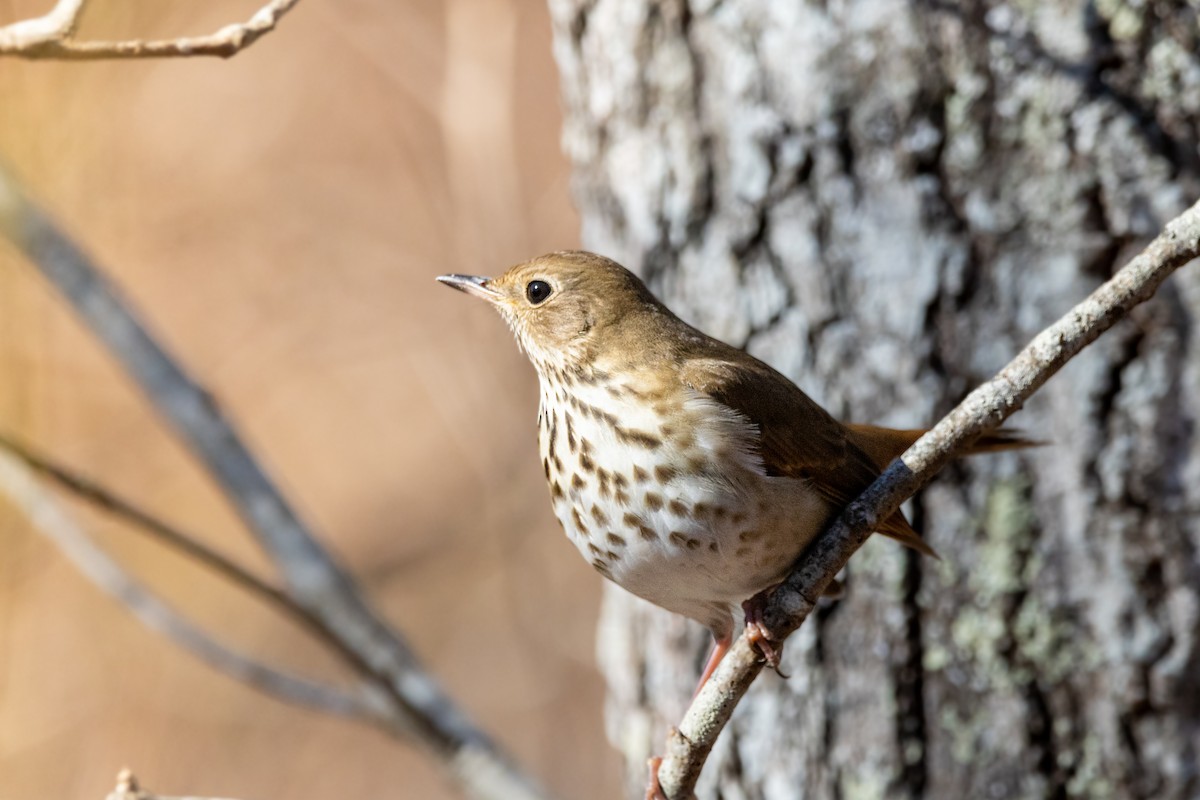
(758, 634)
(653, 787)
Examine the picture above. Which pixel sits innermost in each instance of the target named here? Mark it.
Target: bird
(683, 469)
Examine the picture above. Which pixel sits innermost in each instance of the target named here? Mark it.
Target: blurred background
(279, 218)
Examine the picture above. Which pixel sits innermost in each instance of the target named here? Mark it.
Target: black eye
(537, 291)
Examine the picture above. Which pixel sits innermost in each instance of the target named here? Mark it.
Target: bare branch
(985, 408)
(52, 37)
(175, 538)
(49, 518)
(187, 545)
(56, 25)
(314, 580)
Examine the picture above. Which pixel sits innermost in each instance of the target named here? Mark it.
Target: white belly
(678, 511)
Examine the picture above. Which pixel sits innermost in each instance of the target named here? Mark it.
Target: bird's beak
(472, 285)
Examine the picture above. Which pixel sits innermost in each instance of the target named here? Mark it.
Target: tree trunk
(885, 200)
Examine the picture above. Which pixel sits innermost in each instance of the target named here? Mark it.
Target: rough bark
(885, 200)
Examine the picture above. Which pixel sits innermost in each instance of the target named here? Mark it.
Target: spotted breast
(662, 491)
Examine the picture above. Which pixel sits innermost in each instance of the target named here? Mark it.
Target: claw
(757, 633)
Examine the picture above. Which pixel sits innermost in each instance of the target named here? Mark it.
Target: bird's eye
(537, 291)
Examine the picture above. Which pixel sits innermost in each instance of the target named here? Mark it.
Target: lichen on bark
(885, 200)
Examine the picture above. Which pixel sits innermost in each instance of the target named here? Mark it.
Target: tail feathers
(998, 441)
(897, 527)
(883, 445)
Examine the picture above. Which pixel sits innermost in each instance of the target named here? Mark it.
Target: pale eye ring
(537, 291)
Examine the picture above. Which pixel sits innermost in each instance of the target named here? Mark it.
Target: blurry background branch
(418, 707)
(177, 539)
(53, 36)
(275, 221)
(985, 408)
(20, 484)
(20, 461)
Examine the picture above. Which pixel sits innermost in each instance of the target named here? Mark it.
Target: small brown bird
(683, 469)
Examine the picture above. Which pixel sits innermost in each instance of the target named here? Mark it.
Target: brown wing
(798, 438)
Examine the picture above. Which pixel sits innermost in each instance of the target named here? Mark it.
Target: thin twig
(52, 36)
(187, 544)
(48, 517)
(984, 409)
(313, 579)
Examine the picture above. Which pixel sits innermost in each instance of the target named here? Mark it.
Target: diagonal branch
(189, 546)
(48, 517)
(52, 37)
(985, 408)
(314, 580)
(173, 537)
(186, 544)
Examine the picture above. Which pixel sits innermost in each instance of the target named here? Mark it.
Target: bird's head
(563, 306)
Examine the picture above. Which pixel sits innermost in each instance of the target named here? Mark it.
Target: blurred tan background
(279, 218)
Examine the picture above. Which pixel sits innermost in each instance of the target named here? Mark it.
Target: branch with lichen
(983, 410)
(52, 36)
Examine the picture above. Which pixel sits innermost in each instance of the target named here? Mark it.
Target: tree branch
(186, 544)
(985, 408)
(52, 36)
(313, 579)
(48, 517)
(183, 542)
(59, 23)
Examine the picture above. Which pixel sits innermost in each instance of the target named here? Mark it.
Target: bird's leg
(757, 633)
(719, 649)
(721, 645)
(653, 787)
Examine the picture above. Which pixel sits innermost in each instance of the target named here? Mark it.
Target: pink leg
(719, 649)
(757, 632)
(653, 788)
